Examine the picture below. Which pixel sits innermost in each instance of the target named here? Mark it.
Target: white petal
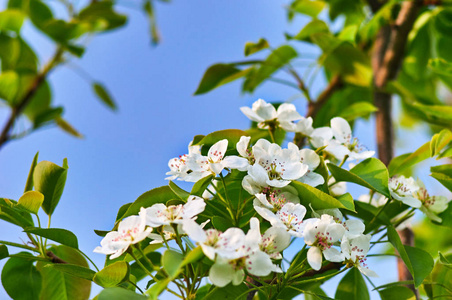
(332, 254)
(194, 231)
(287, 112)
(312, 179)
(242, 145)
(194, 206)
(218, 150)
(259, 264)
(314, 256)
(236, 162)
(221, 273)
(251, 114)
(341, 129)
(264, 110)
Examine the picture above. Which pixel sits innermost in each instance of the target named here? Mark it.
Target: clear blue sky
(125, 154)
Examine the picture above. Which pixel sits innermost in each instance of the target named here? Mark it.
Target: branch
(334, 85)
(55, 259)
(16, 111)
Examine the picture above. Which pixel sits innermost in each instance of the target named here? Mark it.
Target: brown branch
(16, 111)
(55, 259)
(334, 85)
(387, 59)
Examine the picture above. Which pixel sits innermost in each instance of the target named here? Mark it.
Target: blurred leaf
(29, 285)
(15, 54)
(352, 287)
(443, 276)
(104, 95)
(348, 34)
(49, 179)
(318, 199)
(370, 173)
(218, 75)
(379, 19)
(101, 12)
(11, 19)
(313, 27)
(62, 236)
(352, 10)
(149, 9)
(113, 274)
(443, 174)
(58, 285)
(39, 104)
(251, 47)
(444, 260)
(419, 263)
(274, 62)
(397, 293)
(31, 201)
(443, 21)
(307, 7)
(117, 293)
(39, 13)
(440, 66)
(358, 110)
(9, 86)
(74, 270)
(48, 116)
(66, 127)
(439, 141)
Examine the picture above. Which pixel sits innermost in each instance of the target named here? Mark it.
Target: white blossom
(431, 205)
(131, 230)
(289, 217)
(355, 251)
(404, 189)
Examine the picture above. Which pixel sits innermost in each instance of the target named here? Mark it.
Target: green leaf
(29, 285)
(29, 184)
(444, 260)
(218, 75)
(58, 285)
(49, 179)
(232, 135)
(274, 62)
(149, 9)
(181, 193)
(358, 110)
(440, 66)
(308, 7)
(397, 293)
(31, 201)
(11, 19)
(157, 288)
(117, 293)
(251, 47)
(402, 162)
(313, 27)
(102, 16)
(229, 292)
(74, 270)
(370, 173)
(3, 252)
(10, 213)
(201, 185)
(104, 95)
(443, 174)
(62, 236)
(221, 224)
(158, 195)
(113, 274)
(439, 141)
(68, 128)
(419, 262)
(352, 287)
(347, 200)
(171, 262)
(318, 199)
(9, 85)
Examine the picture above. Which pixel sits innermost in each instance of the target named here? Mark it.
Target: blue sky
(125, 153)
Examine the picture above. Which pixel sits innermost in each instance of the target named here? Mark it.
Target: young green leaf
(397, 293)
(104, 95)
(31, 201)
(218, 75)
(113, 274)
(251, 48)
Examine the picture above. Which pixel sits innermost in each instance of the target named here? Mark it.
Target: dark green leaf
(158, 195)
(221, 224)
(218, 75)
(117, 293)
(113, 274)
(397, 293)
(229, 292)
(74, 270)
(318, 199)
(104, 95)
(232, 135)
(419, 263)
(313, 27)
(370, 173)
(49, 179)
(3, 252)
(29, 285)
(181, 193)
(251, 47)
(62, 236)
(352, 287)
(102, 16)
(444, 260)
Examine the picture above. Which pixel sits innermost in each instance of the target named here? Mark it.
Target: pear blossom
(304, 126)
(159, 214)
(343, 144)
(355, 251)
(353, 227)
(131, 230)
(431, 205)
(274, 199)
(276, 165)
(178, 165)
(321, 234)
(289, 217)
(321, 137)
(266, 115)
(404, 189)
(312, 160)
